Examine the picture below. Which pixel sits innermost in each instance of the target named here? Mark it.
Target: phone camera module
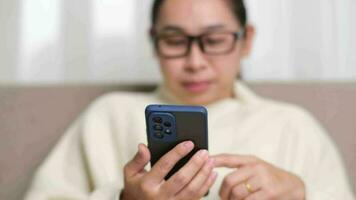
(168, 131)
(167, 124)
(157, 127)
(159, 135)
(157, 120)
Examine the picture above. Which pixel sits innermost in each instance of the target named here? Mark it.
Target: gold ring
(248, 187)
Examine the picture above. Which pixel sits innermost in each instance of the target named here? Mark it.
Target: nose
(196, 59)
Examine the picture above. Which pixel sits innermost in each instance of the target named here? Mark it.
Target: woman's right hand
(192, 181)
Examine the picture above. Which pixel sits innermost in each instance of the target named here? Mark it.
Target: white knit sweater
(88, 161)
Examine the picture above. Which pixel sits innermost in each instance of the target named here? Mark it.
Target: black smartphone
(169, 125)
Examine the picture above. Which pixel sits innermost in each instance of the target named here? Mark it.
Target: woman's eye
(214, 40)
(175, 41)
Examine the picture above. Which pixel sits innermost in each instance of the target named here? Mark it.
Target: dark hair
(237, 6)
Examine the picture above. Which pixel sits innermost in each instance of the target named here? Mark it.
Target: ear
(151, 32)
(248, 40)
(151, 35)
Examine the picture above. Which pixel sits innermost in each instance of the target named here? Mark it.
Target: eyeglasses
(179, 45)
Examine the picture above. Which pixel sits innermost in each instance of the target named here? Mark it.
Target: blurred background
(70, 51)
(91, 41)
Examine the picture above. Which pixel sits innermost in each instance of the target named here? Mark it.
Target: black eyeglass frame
(198, 38)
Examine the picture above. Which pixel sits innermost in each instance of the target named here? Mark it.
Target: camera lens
(157, 127)
(157, 120)
(159, 135)
(168, 124)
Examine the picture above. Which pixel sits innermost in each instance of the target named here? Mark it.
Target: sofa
(33, 118)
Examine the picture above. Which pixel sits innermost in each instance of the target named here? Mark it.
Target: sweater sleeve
(320, 164)
(67, 172)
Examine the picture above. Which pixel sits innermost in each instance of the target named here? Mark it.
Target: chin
(202, 99)
(189, 97)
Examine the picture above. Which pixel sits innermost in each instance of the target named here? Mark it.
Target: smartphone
(169, 125)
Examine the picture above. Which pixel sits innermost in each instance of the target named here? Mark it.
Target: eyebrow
(214, 27)
(172, 28)
(210, 28)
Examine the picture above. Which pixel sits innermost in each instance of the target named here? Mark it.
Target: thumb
(139, 161)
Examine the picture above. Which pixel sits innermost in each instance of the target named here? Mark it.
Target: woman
(259, 148)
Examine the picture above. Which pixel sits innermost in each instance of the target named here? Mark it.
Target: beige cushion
(33, 118)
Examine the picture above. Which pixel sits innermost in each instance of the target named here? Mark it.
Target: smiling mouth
(197, 87)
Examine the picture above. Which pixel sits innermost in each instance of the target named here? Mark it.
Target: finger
(193, 187)
(181, 178)
(255, 184)
(233, 179)
(211, 180)
(259, 195)
(139, 161)
(233, 161)
(241, 191)
(167, 161)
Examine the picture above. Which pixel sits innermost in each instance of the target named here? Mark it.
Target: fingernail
(203, 153)
(139, 149)
(211, 162)
(188, 144)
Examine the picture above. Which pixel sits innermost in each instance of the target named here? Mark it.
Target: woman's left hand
(255, 179)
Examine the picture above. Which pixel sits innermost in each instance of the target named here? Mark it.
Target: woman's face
(199, 78)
